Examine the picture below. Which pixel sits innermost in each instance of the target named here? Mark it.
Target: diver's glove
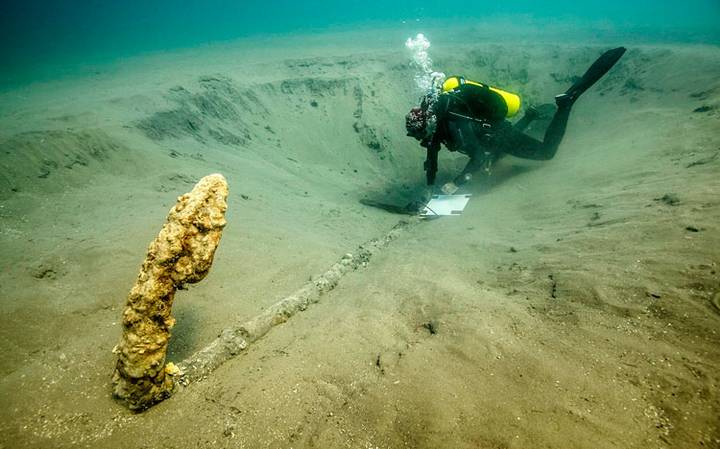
(449, 188)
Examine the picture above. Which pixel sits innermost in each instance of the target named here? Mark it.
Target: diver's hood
(416, 122)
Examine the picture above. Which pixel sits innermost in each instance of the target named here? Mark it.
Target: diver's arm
(431, 161)
(433, 147)
(440, 109)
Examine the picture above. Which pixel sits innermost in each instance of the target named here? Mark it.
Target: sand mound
(42, 161)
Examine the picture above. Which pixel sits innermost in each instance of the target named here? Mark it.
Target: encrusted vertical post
(181, 254)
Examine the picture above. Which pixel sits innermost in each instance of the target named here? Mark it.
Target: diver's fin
(392, 208)
(596, 71)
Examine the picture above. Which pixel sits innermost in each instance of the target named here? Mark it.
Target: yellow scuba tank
(512, 101)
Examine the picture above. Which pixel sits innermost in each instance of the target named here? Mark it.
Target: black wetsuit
(471, 120)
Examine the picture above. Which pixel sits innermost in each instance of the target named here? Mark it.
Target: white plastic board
(445, 205)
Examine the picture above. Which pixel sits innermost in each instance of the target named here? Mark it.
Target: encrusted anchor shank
(182, 253)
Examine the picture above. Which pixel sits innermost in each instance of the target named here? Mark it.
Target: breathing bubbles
(425, 78)
(419, 47)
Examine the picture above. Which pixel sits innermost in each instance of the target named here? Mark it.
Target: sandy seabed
(575, 303)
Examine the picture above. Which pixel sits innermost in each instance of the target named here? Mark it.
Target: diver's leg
(540, 112)
(556, 130)
(596, 71)
(518, 144)
(530, 114)
(514, 142)
(554, 134)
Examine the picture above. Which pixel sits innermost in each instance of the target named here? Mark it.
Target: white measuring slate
(440, 205)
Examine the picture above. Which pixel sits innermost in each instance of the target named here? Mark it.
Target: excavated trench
(508, 295)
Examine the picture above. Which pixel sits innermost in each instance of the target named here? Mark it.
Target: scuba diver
(470, 117)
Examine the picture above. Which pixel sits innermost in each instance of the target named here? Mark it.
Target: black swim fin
(596, 71)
